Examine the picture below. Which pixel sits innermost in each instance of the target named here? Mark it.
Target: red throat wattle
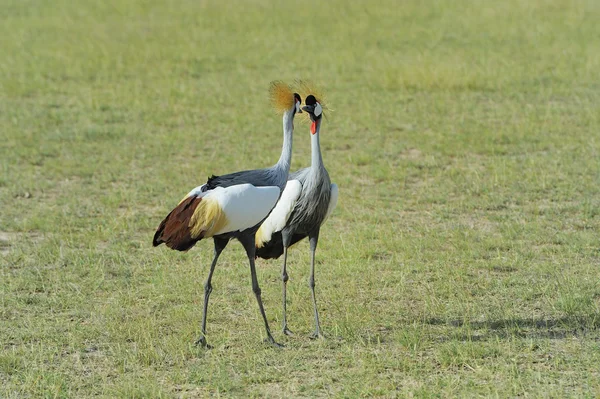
(313, 128)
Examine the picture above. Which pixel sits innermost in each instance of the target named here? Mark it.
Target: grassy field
(463, 258)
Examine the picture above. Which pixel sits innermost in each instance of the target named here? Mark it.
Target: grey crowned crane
(307, 201)
(233, 206)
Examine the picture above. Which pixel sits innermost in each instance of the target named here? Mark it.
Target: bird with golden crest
(233, 206)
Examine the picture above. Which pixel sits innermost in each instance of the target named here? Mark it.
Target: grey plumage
(311, 207)
(273, 176)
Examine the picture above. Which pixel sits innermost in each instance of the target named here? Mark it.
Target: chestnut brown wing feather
(175, 230)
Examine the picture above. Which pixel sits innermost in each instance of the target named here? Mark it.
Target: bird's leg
(284, 279)
(248, 241)
(220, 245)
(313, 239)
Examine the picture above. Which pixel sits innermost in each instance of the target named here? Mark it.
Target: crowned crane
(233, 206)
(307, 201)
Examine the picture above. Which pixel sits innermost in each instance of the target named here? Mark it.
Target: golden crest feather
(282, 96)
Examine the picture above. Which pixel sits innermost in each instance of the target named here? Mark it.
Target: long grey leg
(313, 240)
(220, 245)
(284, 279)
(248, 241)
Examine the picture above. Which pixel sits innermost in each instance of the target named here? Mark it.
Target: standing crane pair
(240, 204)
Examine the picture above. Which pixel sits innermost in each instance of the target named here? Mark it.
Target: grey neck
(285, 159)
(317, 161)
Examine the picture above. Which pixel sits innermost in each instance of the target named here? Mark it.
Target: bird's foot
(317, 335)
(287, 331)
(271, 341)
(202, 342)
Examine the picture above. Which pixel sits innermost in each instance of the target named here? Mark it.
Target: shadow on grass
(551, 328)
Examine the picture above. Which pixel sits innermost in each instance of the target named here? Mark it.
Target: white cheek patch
(318, 109)
(298, 107)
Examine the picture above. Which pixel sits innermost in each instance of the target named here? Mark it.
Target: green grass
(463, 258)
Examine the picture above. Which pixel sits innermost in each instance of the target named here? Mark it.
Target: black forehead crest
(297, 97)
(311, 100)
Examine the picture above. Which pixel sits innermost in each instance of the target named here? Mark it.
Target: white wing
(332, 201)
(281, 213)
(244, 205)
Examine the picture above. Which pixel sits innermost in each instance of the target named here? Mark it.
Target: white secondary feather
(332, 201)
(282, 211)
(244, 204)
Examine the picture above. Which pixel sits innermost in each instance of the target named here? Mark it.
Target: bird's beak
(309, 108)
